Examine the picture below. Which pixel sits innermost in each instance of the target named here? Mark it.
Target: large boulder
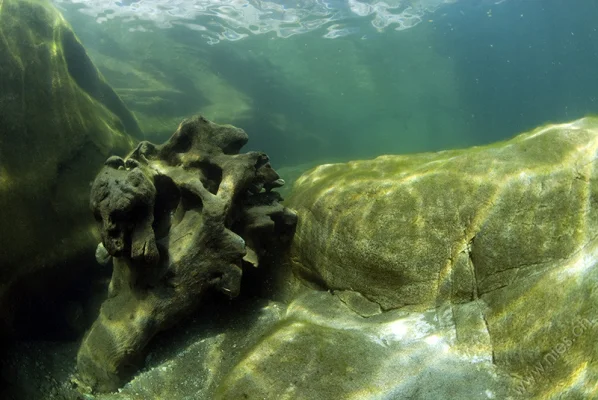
(503, 238)
(510, 314)
(59, 120)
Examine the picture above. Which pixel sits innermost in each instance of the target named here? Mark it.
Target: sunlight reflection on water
(236, 19)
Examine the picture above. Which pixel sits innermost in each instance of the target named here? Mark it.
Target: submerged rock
(460, 274)
(318, 348)
(58, 121)
(179, 220)
(503, 238)
(510, 314)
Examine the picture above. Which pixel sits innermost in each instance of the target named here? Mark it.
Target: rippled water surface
(236, 19)
(320, 80)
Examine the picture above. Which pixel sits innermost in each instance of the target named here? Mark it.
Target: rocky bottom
(320, 345)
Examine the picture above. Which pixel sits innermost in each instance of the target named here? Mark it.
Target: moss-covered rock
(509, 313)
(58, 121)
(505, 235)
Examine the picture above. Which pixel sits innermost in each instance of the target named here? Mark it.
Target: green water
(454, 274)
(469, 73)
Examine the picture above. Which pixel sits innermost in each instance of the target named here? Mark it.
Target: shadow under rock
(60, 303)
(52, 310)
(218, 314)
(41, 364)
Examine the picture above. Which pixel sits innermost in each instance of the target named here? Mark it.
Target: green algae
(59, 120)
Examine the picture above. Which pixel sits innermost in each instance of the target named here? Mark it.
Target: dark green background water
(473, 72)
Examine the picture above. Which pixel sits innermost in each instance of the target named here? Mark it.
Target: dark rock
(59, 120)
(178, 219)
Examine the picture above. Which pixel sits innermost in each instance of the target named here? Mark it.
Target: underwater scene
(298, 200)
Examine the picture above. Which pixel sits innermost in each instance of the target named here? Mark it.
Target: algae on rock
(59, 120)
(510, 315)
(506, 235)
(517, 299)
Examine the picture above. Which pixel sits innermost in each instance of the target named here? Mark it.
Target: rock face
(502, 238)
(316, 347)
(510, 230)
(179, 219)
(58, 121)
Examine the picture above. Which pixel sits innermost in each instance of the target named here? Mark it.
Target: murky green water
(323, 80)
(430, 254)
